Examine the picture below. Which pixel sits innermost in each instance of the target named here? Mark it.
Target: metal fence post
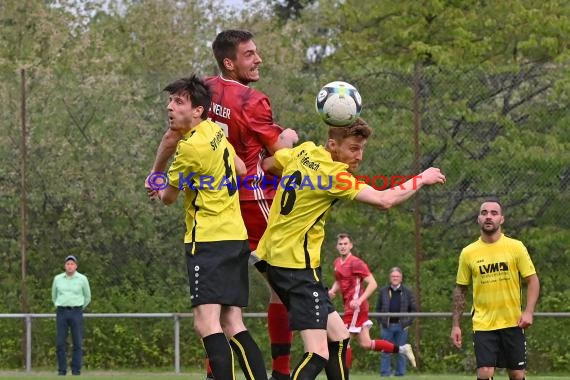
(28, 343)
(176, 344)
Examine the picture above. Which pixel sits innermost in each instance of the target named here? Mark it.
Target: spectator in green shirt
(70, 294)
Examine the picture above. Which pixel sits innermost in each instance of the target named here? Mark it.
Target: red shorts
(255, 214)
(355, 320)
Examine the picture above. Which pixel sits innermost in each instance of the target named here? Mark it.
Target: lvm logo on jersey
(493, 268)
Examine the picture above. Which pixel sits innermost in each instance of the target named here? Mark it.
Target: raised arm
(165, 150)
(388, 198)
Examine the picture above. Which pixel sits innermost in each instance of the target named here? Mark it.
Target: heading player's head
(343, 244)
(490, 217)
(346, 144)
(188, 103)
(237, 56)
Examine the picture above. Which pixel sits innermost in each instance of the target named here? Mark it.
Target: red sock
(383, 345)
(208, 368)
(348, 356)
(280, 337)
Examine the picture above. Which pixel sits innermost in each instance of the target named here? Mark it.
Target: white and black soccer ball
(338, 103)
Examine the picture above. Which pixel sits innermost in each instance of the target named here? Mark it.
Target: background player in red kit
(356, 283)
(247, 120)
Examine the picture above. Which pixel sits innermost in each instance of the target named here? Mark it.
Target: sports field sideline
(134, 375)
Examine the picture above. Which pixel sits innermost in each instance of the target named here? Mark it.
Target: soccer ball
(338, 103)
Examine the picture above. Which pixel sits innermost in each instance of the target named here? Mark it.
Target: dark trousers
(69, 319)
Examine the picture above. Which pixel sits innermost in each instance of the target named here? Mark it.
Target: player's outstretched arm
(388, 198)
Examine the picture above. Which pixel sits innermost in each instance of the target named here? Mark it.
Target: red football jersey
(349, 275)
(245, 116)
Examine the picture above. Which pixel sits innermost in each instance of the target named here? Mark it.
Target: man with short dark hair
(496, 265)
(217, 251)
(356, 284)
(245, 115)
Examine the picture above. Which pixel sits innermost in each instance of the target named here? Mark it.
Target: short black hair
(195, 89)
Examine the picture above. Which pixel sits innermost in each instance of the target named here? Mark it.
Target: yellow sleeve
(186, 163)
(526, 267)
(463, 271)
(282, 157)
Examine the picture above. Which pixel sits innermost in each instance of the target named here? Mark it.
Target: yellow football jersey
(204, 168)
(311, 183)
(495, 270)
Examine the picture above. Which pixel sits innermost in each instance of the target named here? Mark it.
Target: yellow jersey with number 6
(310, 185)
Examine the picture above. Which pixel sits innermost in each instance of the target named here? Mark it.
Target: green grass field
(95, 375)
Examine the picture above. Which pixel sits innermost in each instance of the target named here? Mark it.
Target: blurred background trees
(479, 89)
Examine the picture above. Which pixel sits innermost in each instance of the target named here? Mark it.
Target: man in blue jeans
(70, 294)
(395, 298)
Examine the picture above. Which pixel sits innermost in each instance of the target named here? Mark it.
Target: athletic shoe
(407, 350)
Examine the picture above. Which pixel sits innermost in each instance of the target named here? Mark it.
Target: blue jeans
(396, 334)
(69, 319)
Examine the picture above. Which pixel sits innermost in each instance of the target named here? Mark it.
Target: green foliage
(492, 87)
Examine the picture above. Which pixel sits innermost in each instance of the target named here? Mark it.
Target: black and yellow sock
(309, 367)
(220, 356)
(249, 356)
(336, 367)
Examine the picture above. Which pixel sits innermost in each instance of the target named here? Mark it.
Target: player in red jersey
(356, 283)
(246, 117)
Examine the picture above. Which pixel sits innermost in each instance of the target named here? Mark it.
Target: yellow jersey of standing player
(204, 167)
(311, 183)
(495, 270)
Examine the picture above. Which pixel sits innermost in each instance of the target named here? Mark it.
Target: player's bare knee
(202, 328)
(485, 372)
(231, 321)
(515, 374)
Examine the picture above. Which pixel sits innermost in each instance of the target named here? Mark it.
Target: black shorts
(303, 294)
(503, 348)
(218, 272)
